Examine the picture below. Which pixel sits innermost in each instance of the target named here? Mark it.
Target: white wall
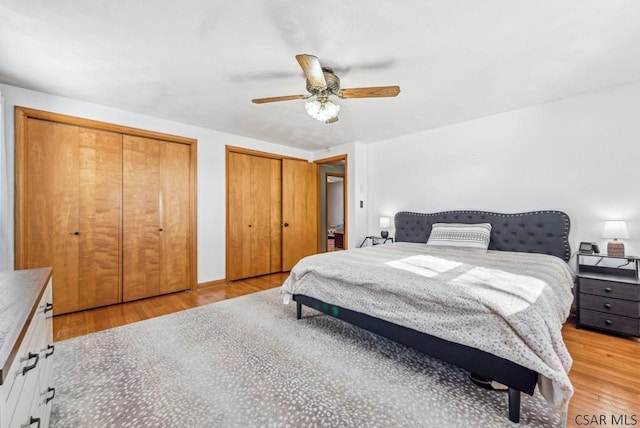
(580, 155)
(211, 162)
(335, 203)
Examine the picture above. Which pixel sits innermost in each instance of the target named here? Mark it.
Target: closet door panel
(141, 217)
(174, 216)
(299, 211)
(238, 216)
(275, 184)
(260, 223)
(72, 223)
(99, 219)
(253, 215)
(52, 207)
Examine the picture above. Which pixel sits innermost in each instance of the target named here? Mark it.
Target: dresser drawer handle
(608, 322)
(50, 390)
(607, 305)
(32, 366)
(48, 307)
(50, 350)
(608, 290)
(33, 420)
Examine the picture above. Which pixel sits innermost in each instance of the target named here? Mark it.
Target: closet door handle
(75, 233)
(49, 390)
(160, 229)
(285, 225)
(50, 350)
(32, 366)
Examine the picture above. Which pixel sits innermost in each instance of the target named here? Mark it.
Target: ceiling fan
(322, 83)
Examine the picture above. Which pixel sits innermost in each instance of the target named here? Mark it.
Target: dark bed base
(516, 377)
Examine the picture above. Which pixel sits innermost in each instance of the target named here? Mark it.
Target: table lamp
(615, 230)
(384, 224)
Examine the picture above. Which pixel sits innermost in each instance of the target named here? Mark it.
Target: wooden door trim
(21, 173)
(104, 126)
(23, 114)
(334, 159)
(251, 152)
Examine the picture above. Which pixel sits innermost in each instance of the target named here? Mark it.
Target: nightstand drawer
(625, 308)
(616, 290)
(610, 322)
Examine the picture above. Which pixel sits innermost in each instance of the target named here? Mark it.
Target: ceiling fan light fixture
(322, 111)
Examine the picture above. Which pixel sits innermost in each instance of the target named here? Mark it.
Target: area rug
(247, 362)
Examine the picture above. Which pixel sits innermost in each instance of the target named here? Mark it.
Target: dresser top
(20, 292)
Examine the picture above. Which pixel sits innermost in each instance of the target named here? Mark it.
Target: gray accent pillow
(460, 235)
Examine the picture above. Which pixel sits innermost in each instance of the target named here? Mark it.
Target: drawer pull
(53, 395)
(32, 366)
(48, 307)
(608, 290)
(608, 322)
(33, 420)
(50, 350)
(607, 305)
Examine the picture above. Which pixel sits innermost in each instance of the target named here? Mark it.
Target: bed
(521, 236)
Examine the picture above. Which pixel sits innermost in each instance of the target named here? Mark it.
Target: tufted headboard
(545, 232)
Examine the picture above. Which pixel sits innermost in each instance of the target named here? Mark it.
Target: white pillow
(475, 236)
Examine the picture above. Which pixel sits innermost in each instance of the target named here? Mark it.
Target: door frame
(22, 116)
(334, 159)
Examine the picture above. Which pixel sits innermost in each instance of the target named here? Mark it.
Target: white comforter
(509, 304)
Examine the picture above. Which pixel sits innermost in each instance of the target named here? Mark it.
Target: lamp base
(615, 249)
(384, 234)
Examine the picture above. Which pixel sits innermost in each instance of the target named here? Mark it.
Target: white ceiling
(201, 62)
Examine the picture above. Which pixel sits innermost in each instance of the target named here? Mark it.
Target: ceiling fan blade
(372, 92)
(313, 70)
(275, 99)
(332, 120)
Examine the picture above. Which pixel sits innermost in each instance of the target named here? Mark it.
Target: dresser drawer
(17, 378)
(627, 308)
(616, 290)
(615, 323)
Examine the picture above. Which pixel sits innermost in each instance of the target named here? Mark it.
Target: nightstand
(375, 240)
(608, 294)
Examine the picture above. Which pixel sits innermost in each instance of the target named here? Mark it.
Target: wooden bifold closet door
(112, 213)
(156, 217)
(253, 207)
(272, 213)
(73, 212)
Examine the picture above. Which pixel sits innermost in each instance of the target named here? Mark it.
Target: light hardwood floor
(605, 372)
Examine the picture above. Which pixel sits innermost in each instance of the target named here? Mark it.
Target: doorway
(333, 203)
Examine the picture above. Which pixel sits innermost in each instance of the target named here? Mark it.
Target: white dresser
(26, 348)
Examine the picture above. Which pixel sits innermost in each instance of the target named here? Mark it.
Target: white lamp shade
(384, 222)
(615, 229)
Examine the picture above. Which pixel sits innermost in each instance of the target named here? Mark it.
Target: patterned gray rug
(248, 362)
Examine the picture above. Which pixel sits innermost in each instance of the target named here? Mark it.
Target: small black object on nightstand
(608, 294)
(376, 240)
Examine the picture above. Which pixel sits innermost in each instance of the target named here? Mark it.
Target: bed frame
(545, 232)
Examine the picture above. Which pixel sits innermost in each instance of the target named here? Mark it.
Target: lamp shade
(384, 222)
(615, 229)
